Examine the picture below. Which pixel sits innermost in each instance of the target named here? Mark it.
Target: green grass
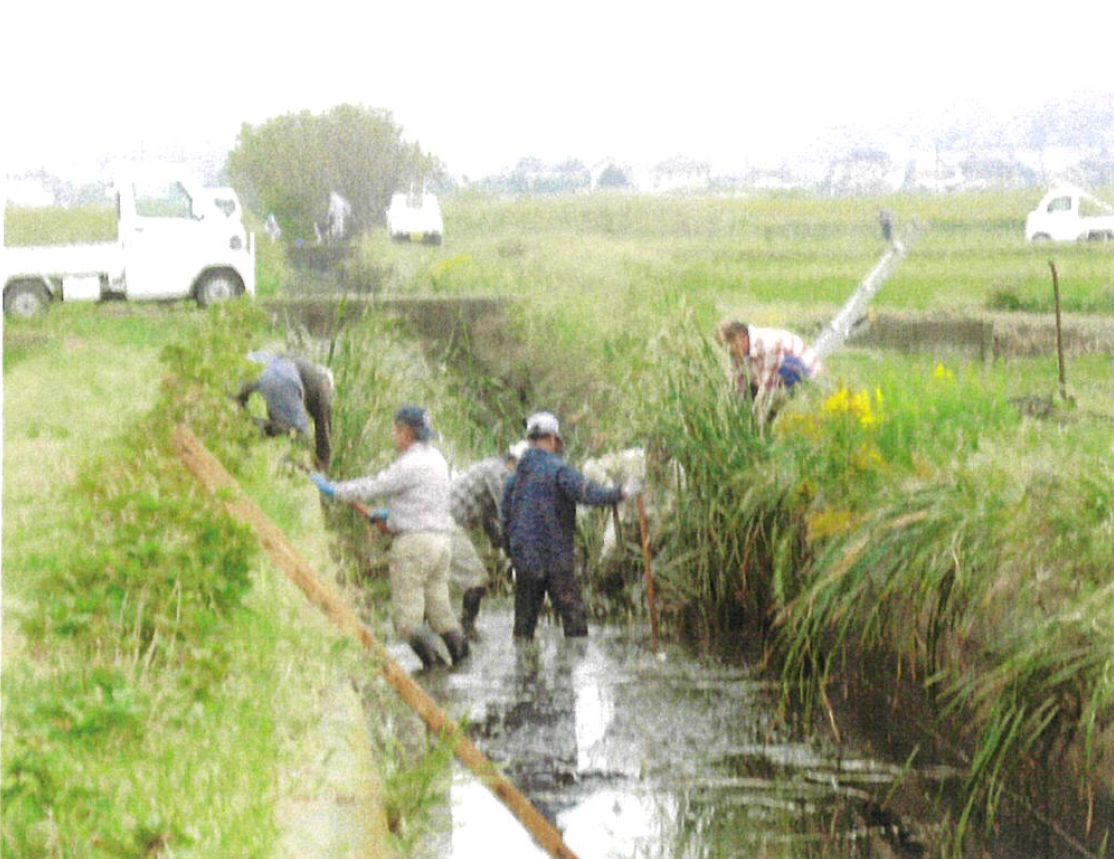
(58, 226)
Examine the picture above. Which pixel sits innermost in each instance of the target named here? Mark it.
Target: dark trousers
(564, 592)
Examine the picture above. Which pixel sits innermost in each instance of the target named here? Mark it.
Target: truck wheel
(26, 298)
(1041, 238)
(218, 286)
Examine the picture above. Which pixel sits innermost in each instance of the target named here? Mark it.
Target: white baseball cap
(542, 424)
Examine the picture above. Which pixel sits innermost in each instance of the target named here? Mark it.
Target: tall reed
(733, 500)
(902, 526)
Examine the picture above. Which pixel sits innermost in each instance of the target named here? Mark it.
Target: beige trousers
(467, 569)
(419, 571)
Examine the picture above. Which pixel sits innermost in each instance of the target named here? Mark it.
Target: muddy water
(674, 755)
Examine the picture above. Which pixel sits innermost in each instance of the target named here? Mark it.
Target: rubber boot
(470, 608)
(457, 644)
(425, 645)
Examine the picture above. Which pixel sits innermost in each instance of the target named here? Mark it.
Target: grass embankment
(164, 688)
(901, 512)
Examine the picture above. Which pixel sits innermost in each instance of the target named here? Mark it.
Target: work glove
(632, 488)
(378, 518)
(322, 484)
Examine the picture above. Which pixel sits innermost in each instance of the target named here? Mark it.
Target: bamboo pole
(644, 533)
(213, 477)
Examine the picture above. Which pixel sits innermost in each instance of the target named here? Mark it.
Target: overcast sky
(482, 84)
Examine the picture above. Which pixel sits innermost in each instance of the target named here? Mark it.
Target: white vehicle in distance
(1068, 214)
(171, 242)
(415, 217)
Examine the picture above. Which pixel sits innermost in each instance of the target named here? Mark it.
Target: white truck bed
(64, 260)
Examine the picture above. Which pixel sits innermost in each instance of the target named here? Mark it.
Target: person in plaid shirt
(475, 503)
(766, 359)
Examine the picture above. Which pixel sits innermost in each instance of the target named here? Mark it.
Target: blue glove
(325, 487)
(378, 514)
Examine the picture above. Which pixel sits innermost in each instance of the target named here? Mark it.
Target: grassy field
(742, 252)
(165, 688)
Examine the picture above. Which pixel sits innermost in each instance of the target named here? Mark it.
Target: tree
(613, 177)
(289, 164)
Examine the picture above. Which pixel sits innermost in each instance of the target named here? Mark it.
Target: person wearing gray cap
(476, 504)
(539, 527)
(415, 488)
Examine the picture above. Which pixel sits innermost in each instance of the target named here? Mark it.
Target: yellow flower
(943, 374)
(840, 401)
(860, 408)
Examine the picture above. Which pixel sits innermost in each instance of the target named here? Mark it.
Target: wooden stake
(211, 474)
(1059, 331)
(645, 534)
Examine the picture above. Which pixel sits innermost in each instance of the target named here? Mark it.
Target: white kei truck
(1067, 214)
(173, 240)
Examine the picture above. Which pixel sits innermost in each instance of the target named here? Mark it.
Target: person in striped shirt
(764, 360)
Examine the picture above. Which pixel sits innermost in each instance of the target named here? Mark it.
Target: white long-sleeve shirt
(415, 488)
(769, 347)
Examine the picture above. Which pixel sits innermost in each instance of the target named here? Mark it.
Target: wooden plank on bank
(212, 475)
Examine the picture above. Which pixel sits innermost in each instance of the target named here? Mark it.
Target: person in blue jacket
(539, 527)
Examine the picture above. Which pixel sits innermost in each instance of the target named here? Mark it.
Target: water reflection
(629, 754)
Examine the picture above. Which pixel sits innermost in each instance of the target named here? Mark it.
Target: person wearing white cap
(539, 527)
(476, 504)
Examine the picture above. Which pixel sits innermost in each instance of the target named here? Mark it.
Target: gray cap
(541, 424)
(415, 418)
